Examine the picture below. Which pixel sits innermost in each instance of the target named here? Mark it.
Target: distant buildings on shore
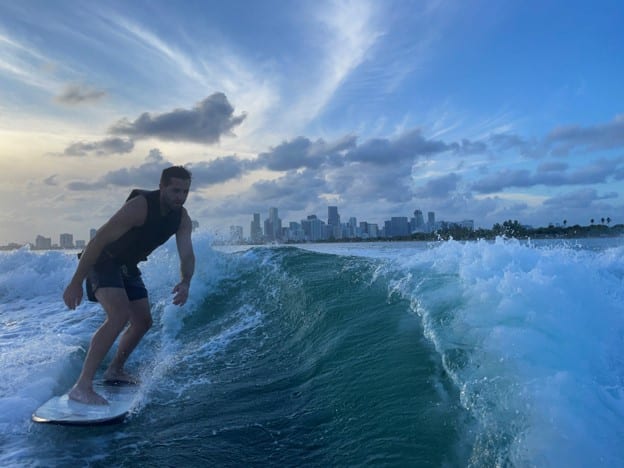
(66, 241)
(313, 229)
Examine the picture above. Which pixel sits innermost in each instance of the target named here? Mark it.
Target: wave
(479, 353)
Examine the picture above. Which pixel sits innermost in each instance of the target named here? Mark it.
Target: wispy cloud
(25, 64)
(145, 39)
(346, 31)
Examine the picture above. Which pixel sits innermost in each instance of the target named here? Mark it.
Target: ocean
(493, 353)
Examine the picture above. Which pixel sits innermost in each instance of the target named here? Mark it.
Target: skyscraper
(273, 226)
(399, 227)
(333, 221)
(419, 221)
(431, 221)
(333, 218)
(255, 233)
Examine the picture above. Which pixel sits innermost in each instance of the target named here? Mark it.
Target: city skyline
(66, 240)
(477, 110)
(469, 223)
(313, 228)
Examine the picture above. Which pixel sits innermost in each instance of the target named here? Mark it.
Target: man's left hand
(181, 292)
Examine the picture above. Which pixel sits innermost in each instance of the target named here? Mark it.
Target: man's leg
(140, 323)
(118, 311)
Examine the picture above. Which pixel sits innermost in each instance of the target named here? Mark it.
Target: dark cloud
(509, 142)
(409, 146)
(289, 155)
(217, 171)
(104, 147)
(597, 172)
(380, 183)
(205, 123)
(503, 179)
(147, 175)
(582, 198)
(563, 140)
(74, 94)
(552, 167)
(304, 153)
(441, 187)
(468, 147)
(144, 176)
(294, 188)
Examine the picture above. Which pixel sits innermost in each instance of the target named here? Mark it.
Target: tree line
(513, 228)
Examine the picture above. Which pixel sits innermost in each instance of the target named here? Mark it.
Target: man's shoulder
(137, 192)
(133, 211)
(185, 219)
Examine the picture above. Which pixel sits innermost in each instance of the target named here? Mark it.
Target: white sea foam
(533, 338)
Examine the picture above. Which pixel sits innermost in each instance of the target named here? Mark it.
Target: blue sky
(472, 109)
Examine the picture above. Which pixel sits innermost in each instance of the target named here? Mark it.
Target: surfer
(109, 265)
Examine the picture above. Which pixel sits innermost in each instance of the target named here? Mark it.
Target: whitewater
(488, 353)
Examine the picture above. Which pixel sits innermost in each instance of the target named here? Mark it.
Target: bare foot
(88, 397)
(120, 376)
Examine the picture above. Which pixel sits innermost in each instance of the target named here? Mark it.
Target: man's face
(174, 195)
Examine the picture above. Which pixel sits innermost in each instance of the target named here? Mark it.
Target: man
(109, 264)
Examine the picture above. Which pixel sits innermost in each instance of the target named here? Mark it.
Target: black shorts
(109, 274)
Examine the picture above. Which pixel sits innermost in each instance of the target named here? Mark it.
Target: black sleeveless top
(136, 244)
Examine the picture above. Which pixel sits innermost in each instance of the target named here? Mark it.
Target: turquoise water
(498, 353)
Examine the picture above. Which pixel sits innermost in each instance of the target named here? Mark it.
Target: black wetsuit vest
(136, 244)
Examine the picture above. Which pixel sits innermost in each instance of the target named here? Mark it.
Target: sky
(481, 110)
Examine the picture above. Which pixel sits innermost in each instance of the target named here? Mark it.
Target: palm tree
(565, 222)
(602, 220)
(608, 220)
(592, 221)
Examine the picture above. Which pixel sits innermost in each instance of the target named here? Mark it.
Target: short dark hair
(179, 172)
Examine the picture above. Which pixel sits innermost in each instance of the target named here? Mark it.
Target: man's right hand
(73, 295)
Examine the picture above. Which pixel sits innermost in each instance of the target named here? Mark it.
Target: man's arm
(132, 214)
(187, 259)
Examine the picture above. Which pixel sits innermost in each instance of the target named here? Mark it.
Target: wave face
(399, 354)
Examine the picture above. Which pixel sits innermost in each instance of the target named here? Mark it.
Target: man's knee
(142, 320)
(146, 322)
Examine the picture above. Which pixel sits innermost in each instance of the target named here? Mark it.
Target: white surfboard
(61, 410)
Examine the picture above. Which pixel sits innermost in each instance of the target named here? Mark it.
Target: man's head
(175, 182)
(178, 172)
